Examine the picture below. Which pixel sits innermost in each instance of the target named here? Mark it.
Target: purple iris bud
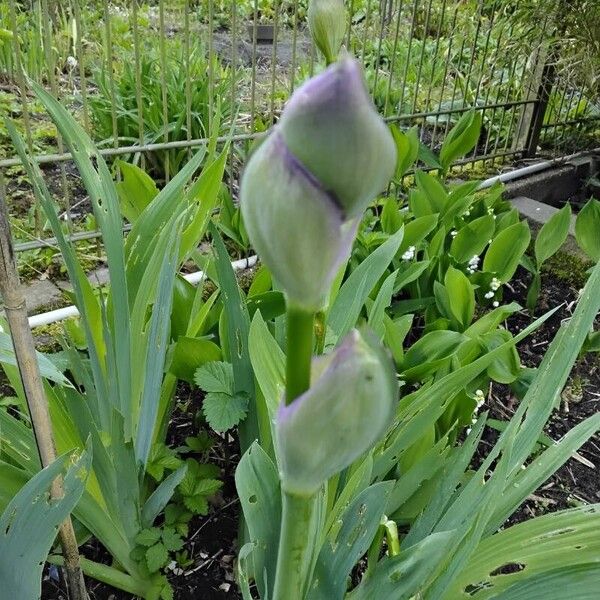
(348, 407)
(304, 189)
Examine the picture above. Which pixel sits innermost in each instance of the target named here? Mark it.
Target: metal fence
(151, 81)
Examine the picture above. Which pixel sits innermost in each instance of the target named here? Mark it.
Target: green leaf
(503, 256)
(216, 377)
(197, 504)
(161, 496)
(171, 539)
(553, 234)
(190, 354)
(416, 230)
(148, 537)
(29, 524)
(223, 411)
(508, 560)
(461, 138)
(461, 296)
(433, 190)
(356, 289)
(257, 483)
(391, 218)
(382, 302)
(208, 487)
(354, 532)
(47, 368)
(426, 353)
(587, 227)
(136, 190)
(404, 576)
(236, 327)
(407, 147)
(156, 557)
(472, 238)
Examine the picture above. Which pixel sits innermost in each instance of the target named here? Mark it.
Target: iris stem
(293, 559)
(299, 352)
(297, 511)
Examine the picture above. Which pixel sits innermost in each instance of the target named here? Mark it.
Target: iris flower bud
(327, 24)
(349, 405)
(305, 188)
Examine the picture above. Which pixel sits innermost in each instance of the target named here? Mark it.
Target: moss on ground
(568, 268)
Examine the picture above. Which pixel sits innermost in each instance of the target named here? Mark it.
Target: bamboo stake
(16, 313)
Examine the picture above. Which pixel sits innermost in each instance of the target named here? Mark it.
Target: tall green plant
(121, 397)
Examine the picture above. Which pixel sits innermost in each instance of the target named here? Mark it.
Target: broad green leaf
(505, 251)
(29, 524)
(257, 483)
(391, 218)
(461, 138)
(356, 289)
(587, 227)
(426, 352)
(541, 545)
(382, 302)
(189, 354)
(268, 361)
(433, 190)
(461, 296)
(553, 234)
(472, 238)
(136, 190)
(407, 147)
(406, 575)
(416, 230)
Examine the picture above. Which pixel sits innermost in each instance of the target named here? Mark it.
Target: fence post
(538, 112)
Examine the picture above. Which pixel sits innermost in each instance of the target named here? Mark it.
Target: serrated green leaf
(207, 487)
(215, 376)
(148, 537)
(223, 411)
(197, 504)
(171, 539)
(156, 557)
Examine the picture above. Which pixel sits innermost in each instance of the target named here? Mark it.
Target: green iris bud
(327, 24)
(350, 404)
(304, 189)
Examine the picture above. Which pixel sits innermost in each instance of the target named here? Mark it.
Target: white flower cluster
(490, 211)
(479, 402)
(409, 254)
(454, 233)
(71, 62)
(473, 264)
(495, 285)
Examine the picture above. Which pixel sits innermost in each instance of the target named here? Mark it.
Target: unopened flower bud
(327, 24)
(348, 407)
(331, 126)
(304, 189)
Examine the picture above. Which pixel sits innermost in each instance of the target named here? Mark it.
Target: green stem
(293, 564)
(299, 352)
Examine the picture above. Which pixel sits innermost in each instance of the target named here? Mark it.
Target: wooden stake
(22, 339)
